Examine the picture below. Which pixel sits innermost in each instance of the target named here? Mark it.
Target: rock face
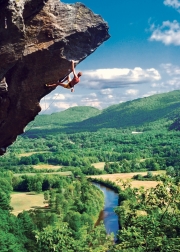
(38, 40)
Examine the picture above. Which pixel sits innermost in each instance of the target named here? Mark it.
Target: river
(107, 215)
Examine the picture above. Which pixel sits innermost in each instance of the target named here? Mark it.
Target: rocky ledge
(38, 39)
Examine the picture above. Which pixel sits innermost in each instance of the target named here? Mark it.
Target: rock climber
(70, 83)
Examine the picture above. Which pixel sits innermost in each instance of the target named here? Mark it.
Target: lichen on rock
(38, 40)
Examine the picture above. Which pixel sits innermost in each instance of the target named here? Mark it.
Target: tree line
(122, 151)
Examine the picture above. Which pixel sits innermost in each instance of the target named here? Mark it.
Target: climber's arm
(73, 69)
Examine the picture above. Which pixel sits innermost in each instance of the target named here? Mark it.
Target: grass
(66, 173)
(47, 166)
(100, 165)
(119, 177)
(26, 201)
(27, 154)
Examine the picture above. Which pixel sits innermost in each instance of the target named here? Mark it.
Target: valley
(132, 148)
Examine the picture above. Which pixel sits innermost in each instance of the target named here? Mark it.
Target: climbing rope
(44, 102)
(43, 112)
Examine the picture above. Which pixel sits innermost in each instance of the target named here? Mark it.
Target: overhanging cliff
(38, 39)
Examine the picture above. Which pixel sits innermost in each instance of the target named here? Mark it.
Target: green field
(26, 201)
(47, 166)
(27, 154)
(66, 173)
(119, 177)
(100, 165)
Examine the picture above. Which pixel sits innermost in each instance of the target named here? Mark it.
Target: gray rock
(38, 39)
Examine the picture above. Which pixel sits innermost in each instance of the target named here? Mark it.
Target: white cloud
(175, 83)
(118, 77)
(132, 92)
(106, 91)
(158, 85)
(93, 94)
(55, 102)
(45, 106)
(86, 101)
(150, 93)
(154, 85)
(173, 3)
(54, 96)
(171, 69)
(168, 33)
(64, 105)
(58, 97)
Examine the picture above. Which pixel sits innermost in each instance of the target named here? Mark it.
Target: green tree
(46, 195)
(55, 238)
(27, 227)
(150, 219)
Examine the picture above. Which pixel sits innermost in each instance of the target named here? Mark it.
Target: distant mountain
(137, 112)
(60, 120)
(74, 114)
(132, 113)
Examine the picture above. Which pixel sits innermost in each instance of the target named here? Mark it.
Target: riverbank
(107, 215)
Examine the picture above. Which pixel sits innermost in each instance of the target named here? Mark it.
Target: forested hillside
(140, 112)
(61, 120)
(137, 112)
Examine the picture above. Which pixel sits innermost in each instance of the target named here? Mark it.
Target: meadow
(66, 173)
(119, 178)
(47, 166)
(26, 201)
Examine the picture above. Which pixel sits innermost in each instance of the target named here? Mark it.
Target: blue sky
(140, 59)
